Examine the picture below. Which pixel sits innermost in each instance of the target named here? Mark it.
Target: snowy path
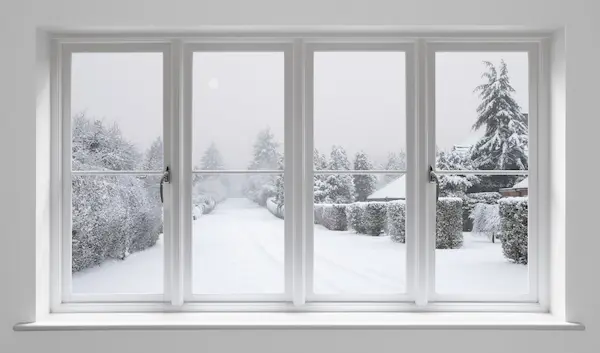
(239, 248)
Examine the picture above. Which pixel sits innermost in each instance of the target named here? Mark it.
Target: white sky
(359, 98)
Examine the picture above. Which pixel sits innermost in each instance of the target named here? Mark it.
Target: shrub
(356, 217)
(449, 223)
(396, 220)
(375, 217)
(319, 213)
(469, 202)
(514, 223)
(112, 217)
(334, 217)
(274, 208)
(486, 220)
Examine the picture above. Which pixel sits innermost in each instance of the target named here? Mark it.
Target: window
(298, 174)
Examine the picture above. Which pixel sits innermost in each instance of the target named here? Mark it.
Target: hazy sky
(359, 98)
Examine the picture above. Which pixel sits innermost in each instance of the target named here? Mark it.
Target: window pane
(482, 238)
(238, 234)
(117, 239)
(236, 97)
(117, 108)
(360, 105)
(360, 247)
(482, 107)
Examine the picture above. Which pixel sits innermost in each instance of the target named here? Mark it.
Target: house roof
(523, 184)
(394, 190)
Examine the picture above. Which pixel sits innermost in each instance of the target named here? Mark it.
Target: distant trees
(319, 184)
(339, 188)
(395, 161)
(364, 184)
(211, 187)
(504, 144)
(265, 157)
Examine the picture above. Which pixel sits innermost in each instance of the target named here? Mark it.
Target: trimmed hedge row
(396, 220)
(367, 217)
(514, 222)
(334, 217)
(448, 223)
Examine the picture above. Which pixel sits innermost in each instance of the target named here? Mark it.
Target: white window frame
(298, 49)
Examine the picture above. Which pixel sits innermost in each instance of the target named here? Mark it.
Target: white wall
(22, 88)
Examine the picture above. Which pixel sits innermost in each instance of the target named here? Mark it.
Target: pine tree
(280, 184)
(319, 186)
(211, 159)
(364, 184)
(455, 185)
(213, 186)
(339, 187)
(505, 142)
(265, 156)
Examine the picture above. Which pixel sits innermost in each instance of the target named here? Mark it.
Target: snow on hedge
(486, 220)
(356, 217)
(514, 222)
(396, 220)
(449, 223)
(318, 213)
(375, 217)
(471, 200)
(334, 217)
(274, 208)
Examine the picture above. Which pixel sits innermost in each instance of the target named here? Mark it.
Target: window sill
(206, 321)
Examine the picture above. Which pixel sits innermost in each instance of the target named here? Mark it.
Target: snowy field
(239, 248)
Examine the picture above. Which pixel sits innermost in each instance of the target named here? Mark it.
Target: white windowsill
(202, 321)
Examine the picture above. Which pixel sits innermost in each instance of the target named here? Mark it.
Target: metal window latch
(433, 177)
(166, 178)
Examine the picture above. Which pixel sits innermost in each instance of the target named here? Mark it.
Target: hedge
(318, 213)
(375, 217)
(486, 220)
(356, 217)
(449, 226)
(396, 220)
(514, 222)
(334, 217)
(274, 208)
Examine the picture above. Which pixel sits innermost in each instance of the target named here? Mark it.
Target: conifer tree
(364, 184)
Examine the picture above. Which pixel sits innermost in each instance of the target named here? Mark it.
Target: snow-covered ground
(239, 248)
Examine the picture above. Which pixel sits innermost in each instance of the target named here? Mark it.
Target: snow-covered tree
(280, 184)
(455, 185)
(210, 186)
(319, 186)
(504, 144)
(395, 161)
(154, 156)
(339, 188)
(364, 184)
(265, 156)
(212, 159)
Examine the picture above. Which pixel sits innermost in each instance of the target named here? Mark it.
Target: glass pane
(236, 97)
(238, 234)
(481, 242)
(359, 247)
(482, 107)
(117, 239)
(117, 107)
(360, 106)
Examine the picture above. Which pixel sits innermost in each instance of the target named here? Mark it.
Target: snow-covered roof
(523, 184)
(394, 190)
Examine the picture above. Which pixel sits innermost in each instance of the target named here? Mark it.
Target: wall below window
(24, 151)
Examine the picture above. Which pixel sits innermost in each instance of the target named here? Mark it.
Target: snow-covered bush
(356, 217)
(375, 217)
(396, 220)
(334, 217)
(112, 217)
(319, 213)
(486, 220)
(205, 202)
(449, 223)
(274, 208)
(514, 222)
(469, 202)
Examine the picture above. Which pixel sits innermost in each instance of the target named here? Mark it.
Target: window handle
(166, 178)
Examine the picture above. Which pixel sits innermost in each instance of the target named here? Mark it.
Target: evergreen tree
(455, 185)
(265, 156)
(154, 156)
(319, 186)
(395, 161)
(280, 184)
(364, 184)
(211, 159)
(210, 185)
(339, 187)
(505, 141)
